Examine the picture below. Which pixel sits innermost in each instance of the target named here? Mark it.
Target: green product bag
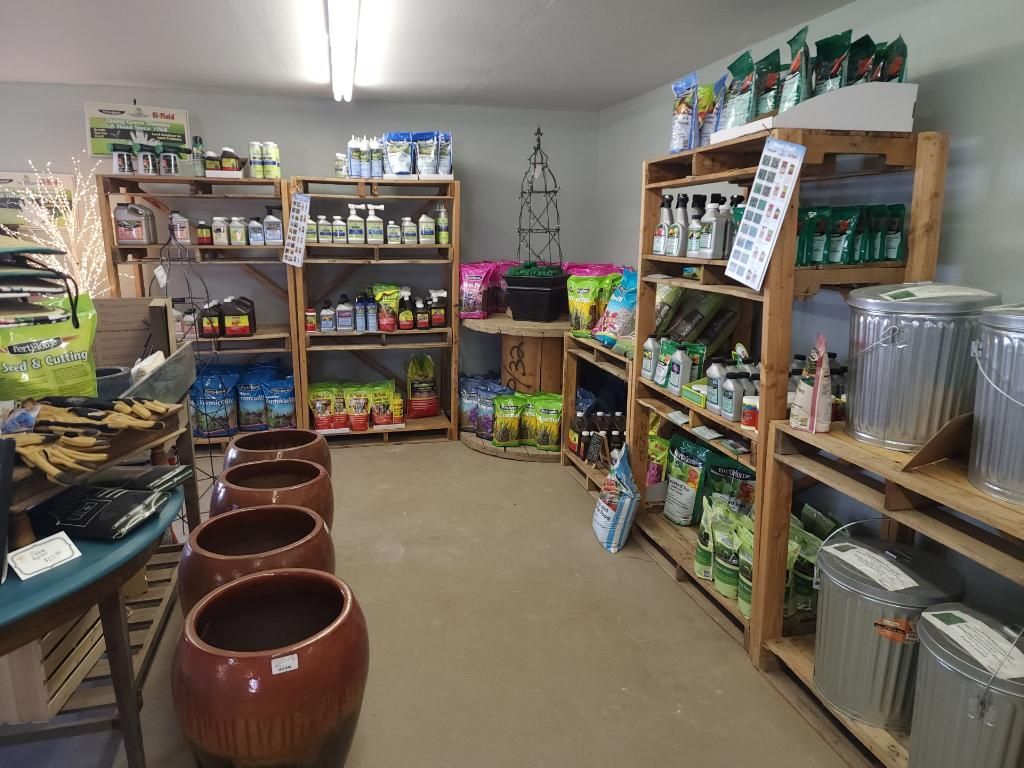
(878, 219)
(667, 298)
(859, 64)
(528, 422)
(805, 597)
(704, 551)
(802, 236)
(548, 408)
(891, 65)
(861, 251)
(830, 63)
(766, 84)
(895, 242)
(661, 370)
(819, 523)
(584, 298)
(739, 96)
(792, 551)
(507, 412)
(686, 463)
(818, 230)
(842, 227)
(729, 484)
(726, 568)
(745, 593)
(50, 358)
(796, 83)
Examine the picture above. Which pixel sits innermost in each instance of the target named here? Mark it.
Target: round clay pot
(270, 670)
(278, 444)
(284, 481)
(235, 544)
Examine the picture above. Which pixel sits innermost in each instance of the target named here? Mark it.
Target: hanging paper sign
(295, 235)
(770, 193)
(109, 124)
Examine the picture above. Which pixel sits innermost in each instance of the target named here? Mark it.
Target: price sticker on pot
(284, 664)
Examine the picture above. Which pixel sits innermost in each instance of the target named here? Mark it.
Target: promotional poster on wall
(109, 124)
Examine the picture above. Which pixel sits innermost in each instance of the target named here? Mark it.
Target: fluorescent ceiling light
(343, 29)
(375, 24)
(312, 42)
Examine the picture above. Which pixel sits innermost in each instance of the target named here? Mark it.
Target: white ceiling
(575, 54)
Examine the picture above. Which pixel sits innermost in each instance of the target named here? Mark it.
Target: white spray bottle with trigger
(661, 230)
(677, 230)
(374, 225)
(356, 225)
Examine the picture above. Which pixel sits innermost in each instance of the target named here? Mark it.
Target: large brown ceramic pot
(270, 671)
(278, 444)
(235, 544)
(285, 481)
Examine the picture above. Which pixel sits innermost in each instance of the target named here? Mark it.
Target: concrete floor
(501, 634)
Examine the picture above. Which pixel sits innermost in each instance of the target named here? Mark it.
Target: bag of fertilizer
(704, 552)
(812, 406)
(792, 552)
(725, 570)
(683, 108)
(730, 483)
(745, 593)
(796, 83)
(616, 505)
(686, 462)
(805, 596)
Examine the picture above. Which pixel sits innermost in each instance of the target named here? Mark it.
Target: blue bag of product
(683, 112)
(280, 397)
(425, 143)
(445, 153)
(616, 505)
(619, 319)
(252, 404)
(398, 153)
(212, 400)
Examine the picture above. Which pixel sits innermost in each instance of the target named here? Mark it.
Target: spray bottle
(376, 159)
(374, 225)
(354, 161)
(731, 222)
(442, 225)
(339, 230)
(665, 220)
(356, 225)
(677, 230)
(365, 164)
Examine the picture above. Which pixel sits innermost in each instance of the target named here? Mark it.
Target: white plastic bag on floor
(616, 506)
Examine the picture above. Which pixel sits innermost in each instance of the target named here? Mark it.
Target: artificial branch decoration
(68, 220)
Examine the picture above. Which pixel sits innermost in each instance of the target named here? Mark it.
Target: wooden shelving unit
(329, 269)
(765, 316)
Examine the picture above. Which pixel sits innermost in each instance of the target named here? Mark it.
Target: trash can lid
(1006, 317)
(922, 298)
(890, 572)
(975, 645)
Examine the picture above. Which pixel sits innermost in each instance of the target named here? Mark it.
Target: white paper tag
(295, 234)
(985, 645)
(877, 568)
(42, 556)
(932, 291)
(161, 275)
(284, 664)
(706, 433)
(678, 418)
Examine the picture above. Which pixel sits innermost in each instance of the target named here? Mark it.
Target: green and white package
(745, 593)
(766, 83)
(49, 358)
(704, 551)
(842, 227)
(686, 462)
(739, 96)
(830, 62)
(895, 240)
(726, 567)
(796, 83)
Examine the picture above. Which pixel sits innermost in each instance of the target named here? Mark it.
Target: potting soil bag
(584, 292)
(657, 460)
(805, 596)
(421, 388)
(252, 402)
(548, 414)
(726, 568)
(686, 463)
(704, 551)
(694, 315)
(812, 407)
(49, 358)
(616, 505)
(468, 401)
(340, 420)
(320, 398)
(796, 83)
(739, 97)
(507, 411)
(279, 393)
(357, 405)
(212, 400)
(666, 301)
(821, 524)
(619, 318)
(683, 108)
(381, 393)
(745, 593)
(474, 280)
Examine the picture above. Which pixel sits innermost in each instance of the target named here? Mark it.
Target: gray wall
(46, 123)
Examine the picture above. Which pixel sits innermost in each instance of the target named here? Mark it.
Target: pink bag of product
(474, 280)
(584, 269)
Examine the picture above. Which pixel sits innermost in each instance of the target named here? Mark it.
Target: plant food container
(997, 450)
(960, 719)
(871, 597)
(910, 360)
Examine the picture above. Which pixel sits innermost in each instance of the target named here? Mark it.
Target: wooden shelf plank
(197, 196)
(591, 358)
(428, 424)
(746, 459)
(379, 261)
(145, 179)
(503, 324)
(703, 413)
(598, 346)
(384, 334)
(809, 280)
(679, 543)
(269, 332)
(797, 654)
(732, 174)
(379, 246)
(370, 197)
(737, 290)
(685, 260)
(379, 347)
(403, 182)
(596, 475)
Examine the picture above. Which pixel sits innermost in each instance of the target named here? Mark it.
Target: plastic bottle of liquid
(372, 322)
(310, 231)
(730, 229)
(693, 233)
(220, 231)
(356, 225)
(256, 234)
(649, 358)
(664, 221)
(584, 443)
(374, 225)
(179, 225)
(422, 316)
(360, 314)
(747, 365)
(204, 233)
(715, 373)
(406, 314)
(198, 158)
(572, 439)
(340, 165)
(237, 231)
(327, 318)
(438, 308)
(698, 207)
(427, 230)
(273, 231)
(677, 230)
(409, 232)
(711, 233)
(376, 159)
(394, 233)
(798, 361)
(339, 230)
(442, 227)
(366, 163)
(344, 315)
(679, 370)
(732, 393)
(755, 382)
(324, 232)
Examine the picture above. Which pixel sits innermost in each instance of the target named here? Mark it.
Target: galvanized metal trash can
(960, 721)
(871, 597)
(997, 447)
(910, 360)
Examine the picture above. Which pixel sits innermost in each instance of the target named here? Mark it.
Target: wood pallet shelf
(511, 452)
(664, 411)
(415, 430)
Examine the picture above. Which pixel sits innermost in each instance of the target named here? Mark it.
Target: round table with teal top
(29, 609)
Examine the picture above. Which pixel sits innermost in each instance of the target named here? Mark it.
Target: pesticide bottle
(360, 314)
(693, 233)
(356, 225)
(256, 232)
(374, 225)
(179, 227)
(677, 230)
(715, 374)
(409, 231)
(442, 225)
(665, 220)
(711, 233)
(344, 315)
(339, 230)
(273, 231)
(679, 370)
(355, 164)
(650, 355)
(394, 233)
(323, 230)
(310, 230)
(365, 164)
(427, 230)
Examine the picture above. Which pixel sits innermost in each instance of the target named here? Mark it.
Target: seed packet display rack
(765, 317)
(330, 269)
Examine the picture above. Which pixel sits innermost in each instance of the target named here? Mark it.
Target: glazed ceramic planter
(235, 544)
(270, 671)
(278, 444)
(285, 481)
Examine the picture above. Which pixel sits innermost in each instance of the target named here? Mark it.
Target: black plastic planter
(540, 299)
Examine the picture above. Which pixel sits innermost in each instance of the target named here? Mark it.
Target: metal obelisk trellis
(539, 222)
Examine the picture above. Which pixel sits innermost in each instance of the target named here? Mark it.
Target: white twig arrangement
(68, 220)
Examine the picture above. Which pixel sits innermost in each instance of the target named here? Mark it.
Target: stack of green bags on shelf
(533, 420)
(851, 234)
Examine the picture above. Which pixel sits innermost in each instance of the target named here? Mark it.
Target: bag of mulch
(729, 483)
(252, 402)
(619, 318)
(474, 281)
(818, 226)
(685, 91)
(583, 295)
(212, 399)
(710, 100)
(895, 247)
(686, 462)
(745, 593)
(812, 407)
(422, 399)
(657, 460)
(842, 228)
(381, 393)
(320, 398)
(739, 97)
(766, 83)
(860, 60)
(616, 505)
(507, 411)
(548, 409)
(891, 65)
(796, 83)
(830, 62)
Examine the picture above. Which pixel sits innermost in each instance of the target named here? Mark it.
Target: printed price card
(295, 235)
